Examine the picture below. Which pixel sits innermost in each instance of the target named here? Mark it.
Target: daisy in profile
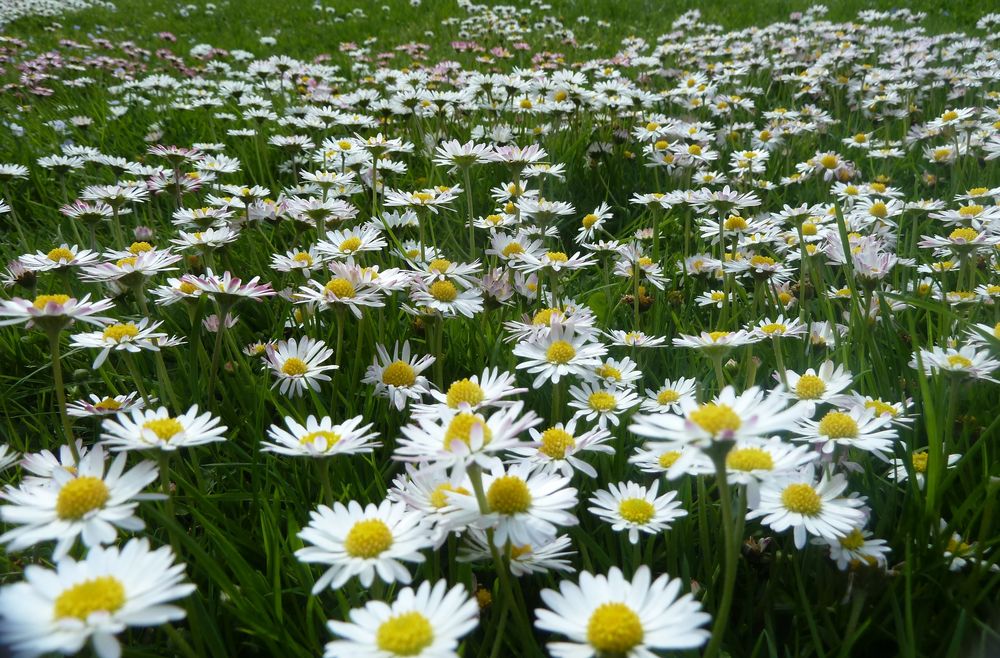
(299, 365)
(87, 503)
(486, 390)
(634, 339)
(601, 404)
(609, 615)
(715, 342)
(855, 428)
(523, 560)
(363, 541)
(662, 459)
(824, 385)
(962, 361)
(227, 289)
(92, 600)
(109, 405)
(525, 506)
(856, 549)
(397, 377)
(632, 507)
(916, 463)
(321, 438)
(131, 337)
(59, 258)
(426, 623)
(670, 395)
(562, 352)
(559, 449)
(145, 429)
(780, 328)
(303, 261)
(53, 312)
(797, 501)
(347, 243)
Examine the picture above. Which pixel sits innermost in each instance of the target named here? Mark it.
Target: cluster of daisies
(609, 350)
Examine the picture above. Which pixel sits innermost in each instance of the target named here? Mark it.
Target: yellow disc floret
(101, 594)
(407, 634)
(614, 628)
(368, 538)
(801, 498)
(80, 496)
(509, 495)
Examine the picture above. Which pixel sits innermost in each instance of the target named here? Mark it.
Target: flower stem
(731, 547)
(61, 393)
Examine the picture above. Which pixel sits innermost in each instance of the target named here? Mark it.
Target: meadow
(451, 329)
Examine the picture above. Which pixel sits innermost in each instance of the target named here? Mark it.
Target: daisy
(59, 258)
(962, 361)
(447, 299)
(609, 615)
(858, 428)
(427, 488)
(752, 461)
(523, 560)
(426, 623)
(363, 542)
(93, 599)
(797, 501)
(304, 261)
(556, 448)
(144, 429)
(133, 269)
(523, 505)
(125, 336)
(398, 377)
(716, 342)
(662, 459)
(670, 395)
(824, 385)
(97, 406)
(634, 339)
(299, 365)
(600, 403)
(322, 438)
(856, 549)
(592, 223)
(486, 390)
(88, 503)
(780, 328)
(228, 289)
(53, 312)
(345, 244)
(896, 411)
(562, 352)
(916, 462)
(460, 437)
(630, 506)
(615, 373)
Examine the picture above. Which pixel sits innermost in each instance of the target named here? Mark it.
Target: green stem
(468, 197)
(61, 393)
(731, 547)
(137, 377)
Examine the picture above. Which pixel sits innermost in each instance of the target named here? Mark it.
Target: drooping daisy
(92, 600)
(398, 377)
(559, 448)
(797, 501)
(630, 506)
(88, 503)
(428, 623)
(146, 429)
(321, 438)
(670, 395)
(857, 428)
(609, 615)
(523, 560)
(363, 542)
(299, 365)
(125, 336)
(562, 352)
(98, 406)
(601, 404)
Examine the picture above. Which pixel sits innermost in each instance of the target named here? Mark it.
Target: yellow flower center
(81, 495)
(759, 261)
(809, 228)
(557, 256)
(735, 223)
(667, 459)
(108, 404)
(439, 497)
(560, 352)
(964, 234)
(959, 361)
(120, 332)
(878, 209)
(294, 367)
(950, 115)
(101, 594)
(509, 495)
(919, 461)
(636, 510)
(716, 419)
(602, 401)
(589, 220)
(187, 288)
(444, 291)
(140, 247)
(464, 391)
(461, 427)
(131, 260)
(512, 248)
(881, 408)
(368, 538)
(810, 387)
(774, 328)
(801, 498)
(303, 257)
(667, 396)
(694, 149)
(853, 540)
(971, 210)
(439, 265)
(607, 371)
(164, 428)
(41, 301)
(342, 288)
(423, 197)
(838, 425)
(829, 161)
(544, 316)
(60, 253)
(750, 459)
(716, 335)
(614, 628)
(331, 438)
(350, 245)
(407, 634)
(399, 373)
(978, 191)
(878, 187)
(555, 442)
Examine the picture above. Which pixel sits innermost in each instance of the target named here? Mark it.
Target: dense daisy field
(574, 329)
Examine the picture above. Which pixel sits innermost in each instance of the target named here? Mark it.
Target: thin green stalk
(731, 548)
(61, 392)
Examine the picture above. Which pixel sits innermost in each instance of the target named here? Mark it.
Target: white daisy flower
(523, 560)
(630, 506)
(752, 461)
(321, 438)
(559, 448)
(92, 600)
(363, 542)
(670, 395)
(475, 392)
(125, 336)
(427, 623)
(823, 385)
(299, 365)
(966, 361)
(856, 549)
(797, 501)
(916, 462)
(609, 615)
(601, 404)
(398, 377)
(615, 373)
(52, 312)
(97, 406)
(86, 503)
(348, 288)
(145, 429)
(661, 459)
(562, 352)
(855, 428)
(447, 299)
(59, 258)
